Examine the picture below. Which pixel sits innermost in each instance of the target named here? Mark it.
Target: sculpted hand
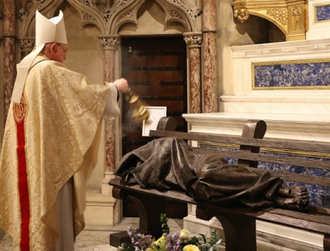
(121, 84)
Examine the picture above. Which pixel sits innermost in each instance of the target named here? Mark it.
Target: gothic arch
(110, 18)
(27, 14)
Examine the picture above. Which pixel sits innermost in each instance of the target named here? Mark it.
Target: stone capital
(109, 42)
(193, 39)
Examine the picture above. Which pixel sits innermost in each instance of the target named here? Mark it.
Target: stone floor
(97, 238)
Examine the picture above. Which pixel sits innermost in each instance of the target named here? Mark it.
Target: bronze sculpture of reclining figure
(171, 164)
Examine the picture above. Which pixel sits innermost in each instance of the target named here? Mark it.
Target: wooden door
(156, 70)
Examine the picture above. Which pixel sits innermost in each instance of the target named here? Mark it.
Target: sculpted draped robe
(50, 138)
(171, 164)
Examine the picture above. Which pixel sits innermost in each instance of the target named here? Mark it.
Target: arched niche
(110, 18)
(260, 30)
(151, 19)
(27, 14)
(288, 15)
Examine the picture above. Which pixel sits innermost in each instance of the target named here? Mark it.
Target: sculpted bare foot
(294, 198)
(292, 192)
(298, 203)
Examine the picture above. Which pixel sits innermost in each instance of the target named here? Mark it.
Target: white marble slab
(314, 127)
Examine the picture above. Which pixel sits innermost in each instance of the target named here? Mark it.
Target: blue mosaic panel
(323, 13)
(318, 195)
(292, 75)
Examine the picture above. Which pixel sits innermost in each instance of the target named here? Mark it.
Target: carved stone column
(194, 41)
(109, 45)
(209, 57)
(112, 213)
(9, 52)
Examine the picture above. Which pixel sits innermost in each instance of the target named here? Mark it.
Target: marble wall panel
(295, 74)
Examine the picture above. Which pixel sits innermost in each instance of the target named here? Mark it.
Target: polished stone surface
(95, 238)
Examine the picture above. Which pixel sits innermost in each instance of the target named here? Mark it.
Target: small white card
(156, 113)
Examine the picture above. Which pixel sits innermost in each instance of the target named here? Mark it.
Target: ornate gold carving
(288, 15)
(241, 15)
(280, 15)
(296, 11)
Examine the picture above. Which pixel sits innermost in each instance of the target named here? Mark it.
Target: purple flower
(172, 242)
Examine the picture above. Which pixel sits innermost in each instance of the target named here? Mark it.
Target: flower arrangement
(169, 242)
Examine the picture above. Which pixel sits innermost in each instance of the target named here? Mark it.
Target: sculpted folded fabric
(171, 164)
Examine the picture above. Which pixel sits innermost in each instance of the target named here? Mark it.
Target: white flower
(184, 234)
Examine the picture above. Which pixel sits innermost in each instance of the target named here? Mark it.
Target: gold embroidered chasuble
(59, 116)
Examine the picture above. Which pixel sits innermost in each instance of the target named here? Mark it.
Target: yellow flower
(160, 240)
(190, 248)
(184, 234)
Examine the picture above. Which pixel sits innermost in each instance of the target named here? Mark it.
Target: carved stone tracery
(110, 19)
(26, 45)
(129, 15)
(27, 14)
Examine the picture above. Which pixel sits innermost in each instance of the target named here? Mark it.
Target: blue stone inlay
(296, 75)
(318, 195)
(323, 13)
